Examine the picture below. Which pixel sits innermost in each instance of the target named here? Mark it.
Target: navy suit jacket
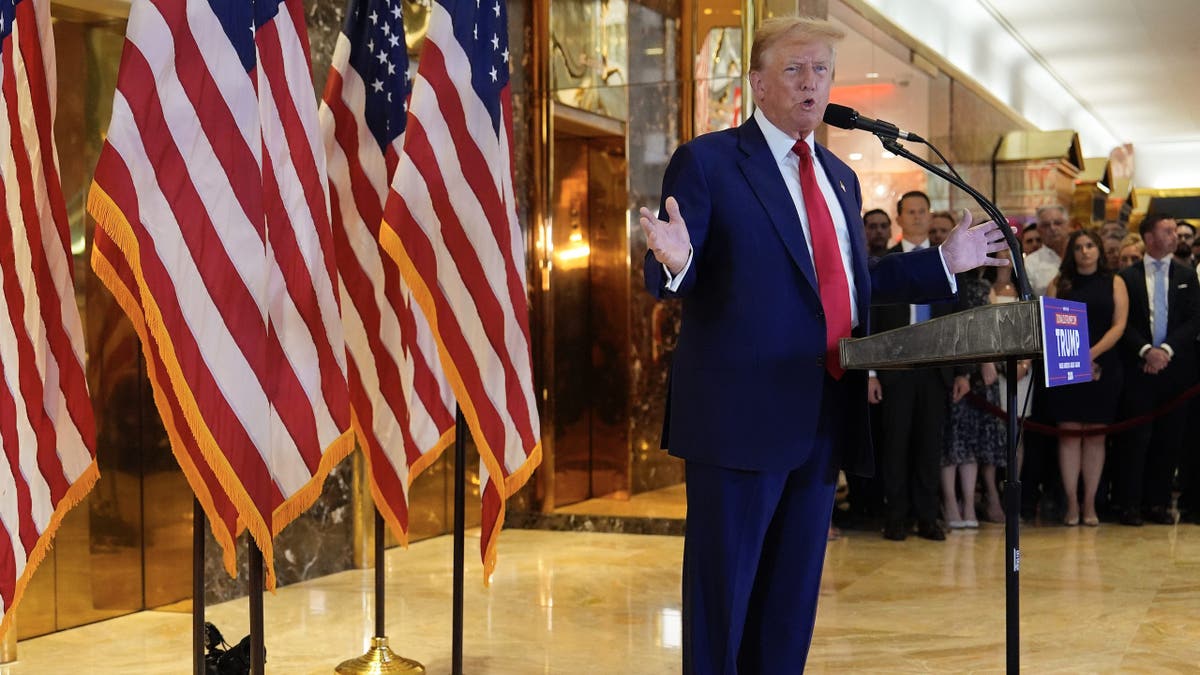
(748, 370)
(1183, 320)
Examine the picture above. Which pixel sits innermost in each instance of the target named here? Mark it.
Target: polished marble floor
(1109, 599)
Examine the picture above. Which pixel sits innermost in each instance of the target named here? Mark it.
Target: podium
(976, 335)
(1003, 332)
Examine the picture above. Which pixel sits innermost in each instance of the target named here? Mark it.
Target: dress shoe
(895, 531)
(930, 530)
(1131, 518)
(1160, 516)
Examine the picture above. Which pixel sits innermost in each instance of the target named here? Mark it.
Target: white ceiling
(1134, 63)
(1116, 71)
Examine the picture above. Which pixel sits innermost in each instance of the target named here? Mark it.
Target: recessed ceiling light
(855, 156)
(872, 76)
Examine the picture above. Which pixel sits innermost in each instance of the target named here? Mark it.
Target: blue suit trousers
(753, 555)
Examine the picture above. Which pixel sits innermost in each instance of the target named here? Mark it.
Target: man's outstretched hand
(968, 247)
(669, 241)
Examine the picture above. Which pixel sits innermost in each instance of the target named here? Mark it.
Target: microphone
(848, 118)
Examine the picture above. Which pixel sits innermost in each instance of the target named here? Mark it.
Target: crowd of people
(1110, 450)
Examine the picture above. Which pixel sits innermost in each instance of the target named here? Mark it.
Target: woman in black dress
(1084, 277)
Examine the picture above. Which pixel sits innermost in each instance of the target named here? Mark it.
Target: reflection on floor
(1108, 599)
(668, 502)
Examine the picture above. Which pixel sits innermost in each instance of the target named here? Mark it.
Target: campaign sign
(1067, 350)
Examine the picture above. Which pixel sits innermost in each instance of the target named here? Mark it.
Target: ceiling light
(872, 76)
(855, 156)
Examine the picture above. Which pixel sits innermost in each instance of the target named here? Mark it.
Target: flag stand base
(379, 659)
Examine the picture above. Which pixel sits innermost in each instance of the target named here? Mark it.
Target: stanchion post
(198, 634)
(460, 489)
(1012, 526)
(379, 658)
(258, 651)
(380, 578)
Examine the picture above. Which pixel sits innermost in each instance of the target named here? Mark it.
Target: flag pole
(379, 658)
(258, 655)
(199, 667)
(460, 479)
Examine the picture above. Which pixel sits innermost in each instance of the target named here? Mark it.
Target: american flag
(47, 430)
(451, 224)
(213, 234)
(401, 402)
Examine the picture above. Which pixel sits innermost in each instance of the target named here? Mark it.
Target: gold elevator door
(589, 301)
(127, 546)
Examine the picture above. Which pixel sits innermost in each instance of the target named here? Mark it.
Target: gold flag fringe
(75, 494)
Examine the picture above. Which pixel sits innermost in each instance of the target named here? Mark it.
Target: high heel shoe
(1071, 522)
(1091, 522)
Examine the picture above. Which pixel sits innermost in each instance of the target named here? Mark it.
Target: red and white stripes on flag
(213, 233)
(450, 223)
(401, 402)
(47, 429)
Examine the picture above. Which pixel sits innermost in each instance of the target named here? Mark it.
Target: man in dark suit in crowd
(761, 237)
(1159, 348)
(866, 492)
(913, 403)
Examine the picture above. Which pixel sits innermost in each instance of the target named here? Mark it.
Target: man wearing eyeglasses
(1042, 265)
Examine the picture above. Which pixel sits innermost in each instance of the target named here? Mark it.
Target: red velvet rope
(983, 404)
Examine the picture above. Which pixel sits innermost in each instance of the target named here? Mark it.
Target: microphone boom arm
(993, 211)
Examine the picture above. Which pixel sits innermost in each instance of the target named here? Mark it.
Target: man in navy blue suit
(763, 241)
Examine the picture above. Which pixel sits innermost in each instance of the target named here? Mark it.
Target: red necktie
(827, 258)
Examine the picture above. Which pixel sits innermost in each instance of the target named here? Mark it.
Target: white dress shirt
(1042, 266)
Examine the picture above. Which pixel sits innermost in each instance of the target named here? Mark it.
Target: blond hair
(1134, 239)
(804, 28)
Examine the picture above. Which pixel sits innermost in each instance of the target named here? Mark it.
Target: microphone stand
(1023, 288)
(1012, 484)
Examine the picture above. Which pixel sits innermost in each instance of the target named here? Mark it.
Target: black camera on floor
(220, 658)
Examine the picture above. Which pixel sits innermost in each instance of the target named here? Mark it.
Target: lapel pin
(842, 185)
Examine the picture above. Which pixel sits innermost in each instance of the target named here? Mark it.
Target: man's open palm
(669, 241)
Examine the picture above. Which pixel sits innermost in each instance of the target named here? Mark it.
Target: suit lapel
(1177, 276)
(762, 174)
(1138, 298)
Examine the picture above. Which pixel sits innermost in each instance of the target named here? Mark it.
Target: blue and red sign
(1067, 349)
